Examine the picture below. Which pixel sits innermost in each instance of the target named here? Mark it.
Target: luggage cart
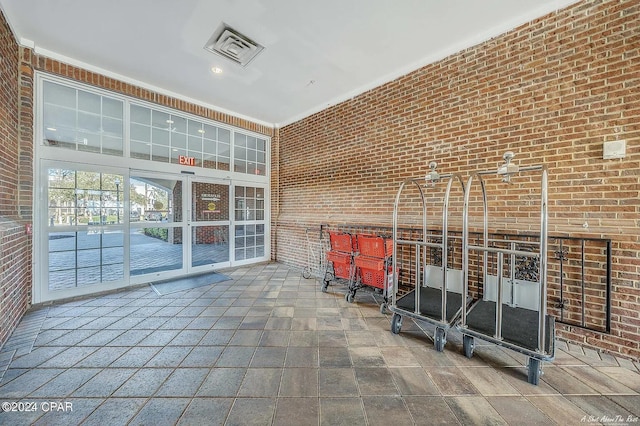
(340, 263)
(520, 324)
(316, 257)
(436, 297)
(373, 267)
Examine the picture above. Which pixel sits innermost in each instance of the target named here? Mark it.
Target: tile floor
(268, 347)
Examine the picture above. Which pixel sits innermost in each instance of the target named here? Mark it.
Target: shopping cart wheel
(468, 345)
(534, 371)
(396, 323)
(349, 297)
(383, 308)
(306, 273)
(440, 339)
(324, 287)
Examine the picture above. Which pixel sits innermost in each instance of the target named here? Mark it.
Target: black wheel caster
(324, 287)
(349, 297)
(306, 273)
(534, 371)
(396, 323)
(439, 339)
(383, 308)
(468, 345)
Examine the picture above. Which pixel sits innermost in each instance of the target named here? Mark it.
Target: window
(83, 121)
(249, 155)
(161, 136)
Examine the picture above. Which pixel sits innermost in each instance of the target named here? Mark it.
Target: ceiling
(316, 53)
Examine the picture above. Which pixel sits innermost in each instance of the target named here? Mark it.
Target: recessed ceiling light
(170, 121)
(200, 131)
(53, 129)
(216, 70)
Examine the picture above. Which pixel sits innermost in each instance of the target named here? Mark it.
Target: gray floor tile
(341, 411)
(413, 381)
(386, 410)
(630, 403)
(246, 338)
(518, 410)
(37, 357)
(236, 356)
(188, 338)
(136, 357)
(261, 382)
(268, 357)
(489, 381)
(169, 356)
(159, 338)
(299, 382)
(559, 409)
(301, 357)
(274, 338)
(161, 411)
(206, 411)
(28, 382)
(297, 412)
(375, 381)
(103, 357)
(65, 384)
(103, 384)
(202, 356)
(366, 356)
(451, 381)
(217, 337)
(251, 411)
(430, 410)
(334, 357)
(474, 410)
(144, 382)
(334, 382)
(115, 411)
(182, 382)
(222, 382)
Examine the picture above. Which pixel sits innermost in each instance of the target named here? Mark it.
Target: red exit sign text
(186, 161)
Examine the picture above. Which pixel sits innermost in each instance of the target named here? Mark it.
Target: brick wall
(16, 183)
(552, 91)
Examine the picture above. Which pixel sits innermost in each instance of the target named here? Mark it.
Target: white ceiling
(317, 53)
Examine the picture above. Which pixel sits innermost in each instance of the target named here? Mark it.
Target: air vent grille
(229, 43)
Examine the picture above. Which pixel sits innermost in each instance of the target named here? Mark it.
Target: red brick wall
(16, 183)
(552, 91)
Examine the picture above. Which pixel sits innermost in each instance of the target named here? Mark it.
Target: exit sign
(186, 161)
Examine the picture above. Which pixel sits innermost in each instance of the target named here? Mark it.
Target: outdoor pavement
(268, 347)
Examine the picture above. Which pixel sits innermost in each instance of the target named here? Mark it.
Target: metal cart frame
(340, 264)
(425, 304)
(373, 267)
(515, 328)
(316, 257)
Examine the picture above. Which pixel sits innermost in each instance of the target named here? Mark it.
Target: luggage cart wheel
(349, 297)
(383, 308)
(306, 273)
(534, 371)
(468, 345)
(396, 323)
(324, 287)
(440, 339)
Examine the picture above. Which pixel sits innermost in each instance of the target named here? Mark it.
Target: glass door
(81, 239)
(209, 224)
(156, 226)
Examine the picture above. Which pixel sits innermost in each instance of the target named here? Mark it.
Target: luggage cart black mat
(431, 303)
(519, 325)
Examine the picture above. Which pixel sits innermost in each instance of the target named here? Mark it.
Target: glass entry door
(209, 224)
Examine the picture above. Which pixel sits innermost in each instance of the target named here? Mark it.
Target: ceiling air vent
(229, 43)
